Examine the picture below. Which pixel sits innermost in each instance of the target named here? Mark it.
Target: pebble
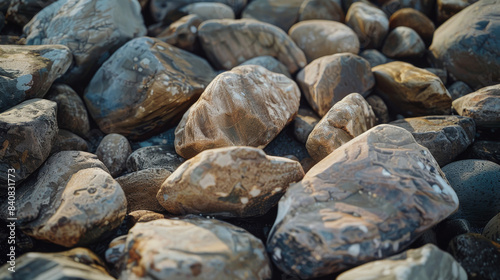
(207, 11)
(403, 42)
(270, 63)
(370, 24)
(482, 105)
(113, 151)
(459, 89)
(280, 13)
(157, 156)
(68, 141)
(492, 229)
(183, 33)
(321, 9)
(415, 20)
(304, 123)
(486, 150)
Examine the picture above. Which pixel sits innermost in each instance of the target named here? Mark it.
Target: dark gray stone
(486, 150)
(374, 57)
(403, 42)
(160, 156)
(459, 89)
(68, 141)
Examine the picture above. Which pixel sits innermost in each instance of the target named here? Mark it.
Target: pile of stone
(264, 139)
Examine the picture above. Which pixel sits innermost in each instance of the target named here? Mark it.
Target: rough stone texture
(188, 248)
(92, 29)
(232, 182)
(319, 38)
(304, 123)
(403, 41)
(270, 63)
(162, 8)
(114, 151)
(321, 9)
(374, 57)
(144, 87)
(482, 105)
(445, 136)
(247, 106)
(369, 22)
(227, 43)
(477, 185)
(347, 119)
(487, 150)
(207, 11)
(477, 255)
(20, 12)
(379, 109)
(280, 13)
(71, 201)
(182, 33)
(27, 133)
(141, 187)
(427, 262)
(367, 200)
(28, 71)
(411, 91)
(327, 80)
(415, 20)
(448, 8)
(472, 54)
(78, 263)
(71, 112)
(157, 156)
(459, 89)
(68, 141)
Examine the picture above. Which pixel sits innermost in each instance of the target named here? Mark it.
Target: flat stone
(411, 91)
(379, 109)
(157, 156)
(145, 87)
(448, 8)
(280, 13)
(228, 43)
(247, 106)
(370, 24)
(182, 33)
(403, 41)
(427, 262)
(193, 247)
(321, 9)
(27, 133)
(232, 182)
(92, 30)
(492, 229)
(304, 123)
(68, 141)
(374, 57)
(487, 150)
(459, 89)
(270, 63)
(317, 38)
(329, 79)
(163, 8)
(445, 136)
(482, 105)
(114, 151)
(415, 20)
(28, 71)
(472, 54)
(347, 119)
(21, 12)
(207, 11)
(369, 199)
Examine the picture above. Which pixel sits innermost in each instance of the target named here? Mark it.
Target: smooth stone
(183, 33)
(370, 24)
(270, 63)
(329, 79)
(28, 71)
(207, 11)
(415, 20)
(374, 57)
(445, 136)
(140, 188)
(68, 141)
(21, 12)
(321, 9)
(145, 87)
(411, 91)
(379, 109)
(115, 250)
(156, 156)
(403, 42)
(228, 43)
(449, 229)
(232, 182)
(347, 119)
(424, 6)
(482, 105)
(486, 150)
(221, 116)
(426, 262)
(492, 229)
(318, 38)
(459, 89)
(160, 9)
(358, 205)
(285, 144)
(280, 13)
(27, 133)
(192, 247)
(476, 184)
(441, 73)
(472, 54)
(114, 151)
(446, 9)
(304, 123)
(91, 29)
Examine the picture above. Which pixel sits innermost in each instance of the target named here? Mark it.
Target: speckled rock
(180, 249)
(114, 151)
(492, 229)
(157, 156)
(427, 262)
(369, 22)
(28, 71)
(321, 9)
(449, 229)
(71, 200)
(20, 12)
(71, 112)
(233, 182)
(27, 133)
(304, 123)
(367, 200)
(477, 183)
(379, 109)
(319, 38)
(374, 57)
(68, 141)
(327, 80)
(477, 255)
(459, 89)
(445, 136)
(411, 91)
(403, 41)
(472, 54)
(270, 63)
(280, 13)
(207, 11)
(247, 106)
(228, 43)
(487, 150)
(92, 29)
(78, 263)
(141, 187)
(163, 8)
(144, 87)
(482, 105)
(182, 33)
(347, 119)
(448, 8)
(415, 20)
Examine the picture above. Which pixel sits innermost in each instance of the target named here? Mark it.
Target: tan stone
(182, 33)
(369, 22)
(482, 105)
(321, 9)
(415, 20)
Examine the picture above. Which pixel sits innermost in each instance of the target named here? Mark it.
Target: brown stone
(403, 41)
(182, 33)
(411, 91)
(379, 108)
(228, 43)
(319, 38)
(247, 106)
(304, 123)
(327, 80)
(448, 8)
(68, 141)
(321, 9)
(347, 119)
(113, 151)
(280, 13)
(482, 105)
(207, 11)
(415, 20)
(370, 24)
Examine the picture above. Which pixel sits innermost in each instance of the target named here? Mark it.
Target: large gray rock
(369, 199)
(482, 105)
